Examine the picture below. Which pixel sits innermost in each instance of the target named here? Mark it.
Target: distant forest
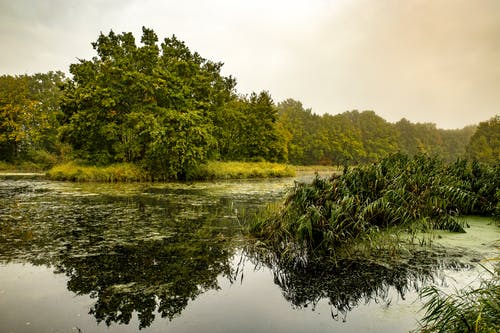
(168, 109)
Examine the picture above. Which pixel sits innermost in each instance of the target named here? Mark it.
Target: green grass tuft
(239, 170)
(122, 172)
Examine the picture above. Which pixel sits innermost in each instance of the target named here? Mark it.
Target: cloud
(426, 60)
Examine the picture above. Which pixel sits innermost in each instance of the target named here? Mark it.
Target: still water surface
(172, 258)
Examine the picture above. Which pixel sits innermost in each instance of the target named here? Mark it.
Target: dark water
(172, 258)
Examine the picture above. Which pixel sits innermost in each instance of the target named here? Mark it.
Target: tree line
(168, 109)
(355, 137)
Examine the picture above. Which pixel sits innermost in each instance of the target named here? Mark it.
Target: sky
(434, 61)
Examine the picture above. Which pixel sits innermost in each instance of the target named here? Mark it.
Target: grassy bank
(241, 170)
(21, 167)
(129, 172)
(114, 173)
(318, 168)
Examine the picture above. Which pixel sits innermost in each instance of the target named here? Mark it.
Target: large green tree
(298, 122)
(152, 104)
(263, 138)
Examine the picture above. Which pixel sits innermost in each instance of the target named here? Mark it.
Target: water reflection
(137, 249)
(151, 250)
(350, 282)
(146, 277)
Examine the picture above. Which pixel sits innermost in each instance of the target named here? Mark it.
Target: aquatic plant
(469, 310)
(419, 193)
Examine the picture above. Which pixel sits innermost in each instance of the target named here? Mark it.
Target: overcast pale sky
(426, 60)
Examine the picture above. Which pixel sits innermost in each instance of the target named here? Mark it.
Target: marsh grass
(4, 166)
(240, 170)
(24, 166)
(318, 168)
(114, 173)
(467, 310)
(126, 172)
(416, 194)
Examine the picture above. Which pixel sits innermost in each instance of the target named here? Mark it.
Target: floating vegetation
(417, 194)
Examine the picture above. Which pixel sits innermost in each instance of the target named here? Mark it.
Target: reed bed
(419, 193)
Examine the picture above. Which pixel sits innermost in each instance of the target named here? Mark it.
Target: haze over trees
(167, 109)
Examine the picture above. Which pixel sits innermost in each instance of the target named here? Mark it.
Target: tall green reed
(397, 191)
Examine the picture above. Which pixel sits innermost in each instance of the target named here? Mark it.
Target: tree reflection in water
(348, 282)
(149, 253)
(146, 277)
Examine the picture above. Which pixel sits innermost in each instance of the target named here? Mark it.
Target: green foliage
(152, 104)
(469, 310)
(164, 108)
(327, 140)
(177, 149)
(29, 107)
(485, 143)
(483, 180)
(397, 191)
(357, 137)
(247, 129)
(379, 138)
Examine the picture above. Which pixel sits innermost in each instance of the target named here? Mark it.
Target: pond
(172, 257)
